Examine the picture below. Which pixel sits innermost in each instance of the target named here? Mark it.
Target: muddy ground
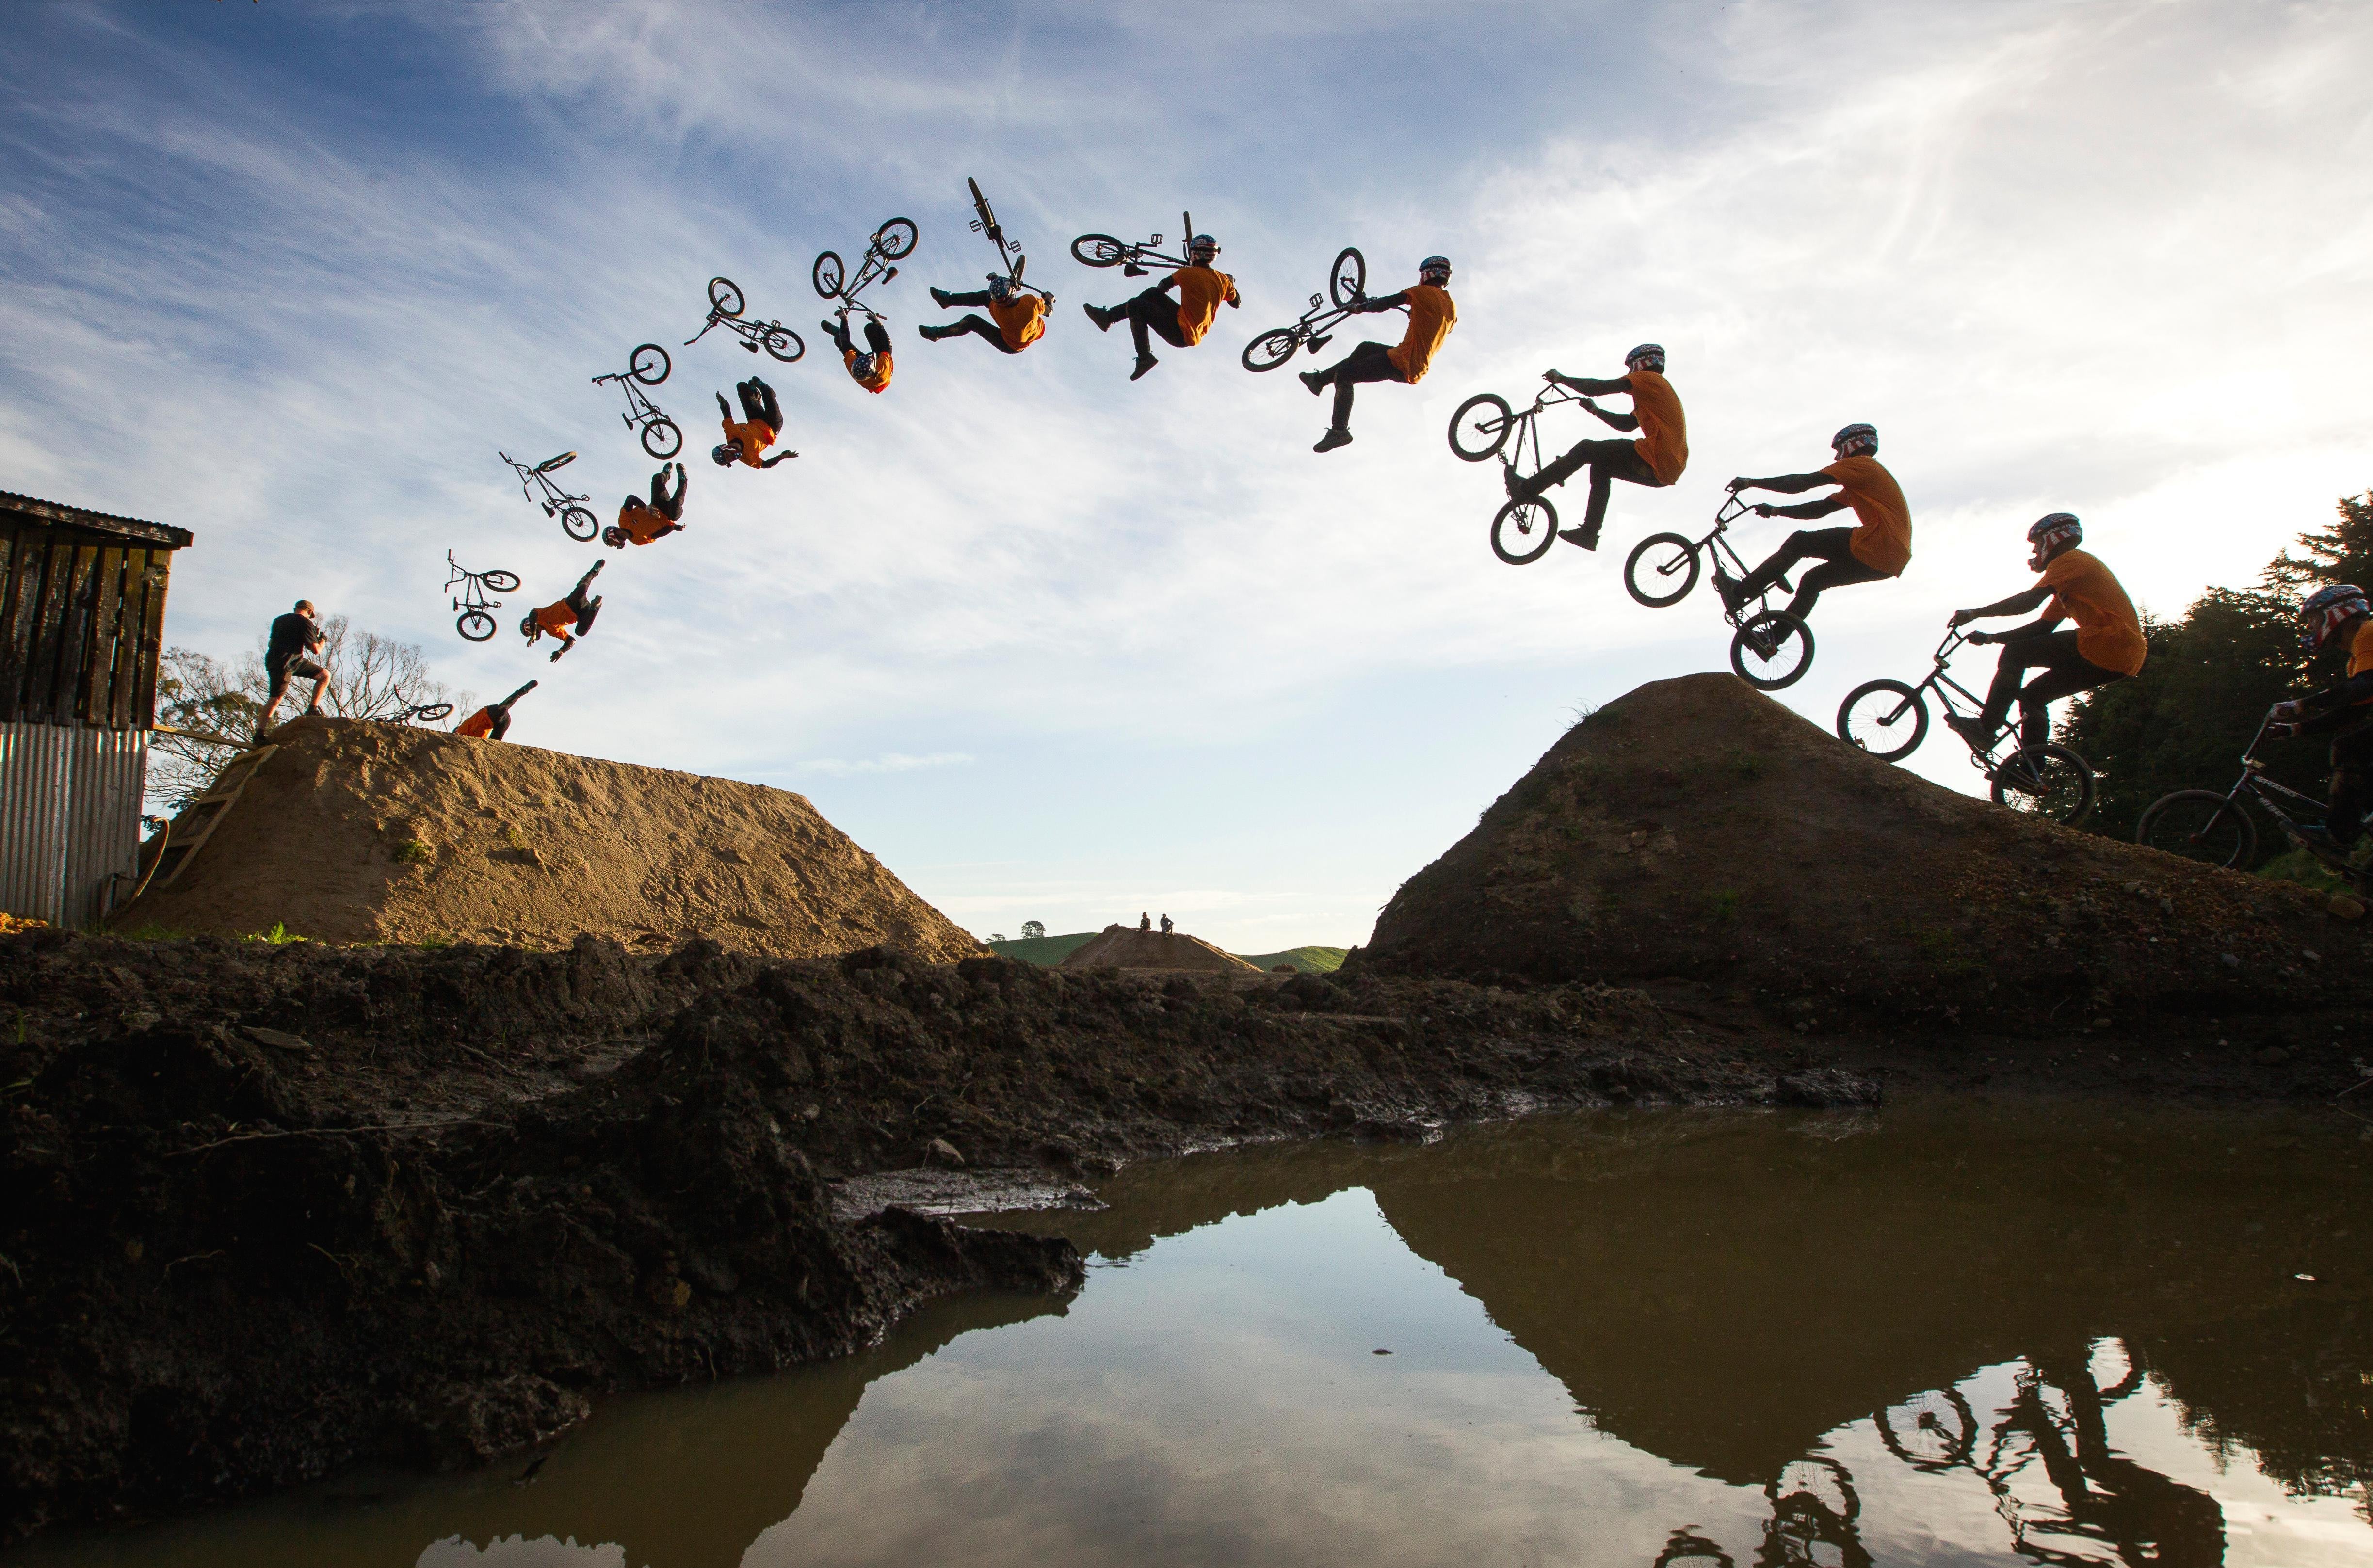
(266, 1211)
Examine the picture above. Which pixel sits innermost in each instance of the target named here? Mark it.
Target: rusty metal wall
(69, 817)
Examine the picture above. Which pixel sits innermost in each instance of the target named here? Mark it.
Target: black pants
(2065, 673)
(877, 338)
(2351, 783)
(1607, 461)
(757, 402)
(586, 609)
(1369, 362)
(295, 666)
(1832, 547)
(1154, 310)
(671, 507)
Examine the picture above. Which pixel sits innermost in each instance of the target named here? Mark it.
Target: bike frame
(1009, 259)
(2260, 788)
(555, 497)
(475, 586)
(755, 333)
(1526, 426)
(1940, 681)
(641, 410)
(1133, 258)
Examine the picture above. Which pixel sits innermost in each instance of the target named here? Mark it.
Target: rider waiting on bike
(494, 721)
(2338, 615)
(568, 619)
(2106, 645)
(643, 521)
(1656, 458)
(871, 369)
(1200, 288)
(1432, 315)
(1017, 316)
(761, 422)
(1877, 547)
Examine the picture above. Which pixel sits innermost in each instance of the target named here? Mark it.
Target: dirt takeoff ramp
(1125, 947)
(1697, 831)
(369, 832)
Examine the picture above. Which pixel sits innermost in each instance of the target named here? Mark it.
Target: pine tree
(2341, 553)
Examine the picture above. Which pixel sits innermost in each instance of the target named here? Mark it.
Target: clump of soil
(1127, 947)
(355, 832)
(1695, 831)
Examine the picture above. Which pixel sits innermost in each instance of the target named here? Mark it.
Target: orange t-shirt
(642, 522)
(1022, 319)
(560, 620)
(874, 379)
(1664, 443)
(1883, 543)
(480, 724)
(1200, 290)
(755, 436)
(2360, 655)
(2108, 633)
(1432, 315)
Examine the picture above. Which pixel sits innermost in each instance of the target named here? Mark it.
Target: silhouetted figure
(1144, 921)
(1165, 925)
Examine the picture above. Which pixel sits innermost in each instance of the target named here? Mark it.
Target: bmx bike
(725, 306)
(1008, 252)
(1485, 426)
(2199, 824)
(893, 241)
(1890, 718)
(1347, 287)
(648, 368)
(474, 621)
(576, 521)
(415, 712)
(1770, 647)
(1934, 1431)
(1103, 250)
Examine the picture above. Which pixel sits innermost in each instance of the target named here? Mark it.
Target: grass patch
(1308, 960)
(2295, 864)
(279, 935)
(412, 852)
(432, 943)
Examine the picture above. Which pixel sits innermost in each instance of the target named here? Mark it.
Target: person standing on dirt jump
(569, 619)
(1167, 927)
(494, 721)
(1656, 458)
(1017, 316)
(2106, 645)
(1877, 547)
(287, 654)
(871, 369)
(1200, 286)
(2338, 615)
(1432, 315)
(760, 425)
(642, 521)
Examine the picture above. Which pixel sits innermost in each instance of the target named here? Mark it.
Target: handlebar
(1730, 511)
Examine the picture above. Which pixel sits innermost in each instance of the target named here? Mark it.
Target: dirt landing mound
(1697, 831)
(1125, 947)
(369, 832)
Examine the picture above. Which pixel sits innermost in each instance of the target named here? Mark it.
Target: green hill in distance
(1052, 950)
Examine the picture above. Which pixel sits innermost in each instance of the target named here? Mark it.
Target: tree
(997, 937)
(1033, 929)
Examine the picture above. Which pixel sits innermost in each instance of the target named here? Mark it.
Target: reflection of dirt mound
(360, 831)
(1697, 830)
(1123, 947)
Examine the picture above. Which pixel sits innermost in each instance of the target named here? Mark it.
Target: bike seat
(1132, 270)
(561, 461)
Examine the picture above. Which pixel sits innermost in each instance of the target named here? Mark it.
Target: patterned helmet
(723, 453)
(1000, 288)
(527, 626)
(1855, 440)
(1430, 266)
(1200, 247)
(2327, 610)
(1649, 356)
(2052, 533)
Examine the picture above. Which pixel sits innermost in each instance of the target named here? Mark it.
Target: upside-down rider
(1200, 286)
(2106, 645)
(569, 619)
(760, 424)
(494, 721)
(1017, 316)
(1876, 547)
(642, 521)
(1656, 458)
(2338, 615)
(871, 369)
(1432, 315)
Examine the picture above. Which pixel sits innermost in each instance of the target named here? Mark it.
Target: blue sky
(1058, 647)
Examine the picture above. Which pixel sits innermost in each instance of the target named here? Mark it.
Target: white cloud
(888, 762)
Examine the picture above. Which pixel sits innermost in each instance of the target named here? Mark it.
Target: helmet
(2327, 610)
(1855, 440)
(1201, 244)
(1000, 288)
(863, 364)
(527, 626)
(1653, 354)
(2052, 533)
(1434, 264)
(722, 454)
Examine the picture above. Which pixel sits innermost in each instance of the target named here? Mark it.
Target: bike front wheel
(578, 524)
(475, 624)
(785, 344)
(1523, 531)
(1349, 279)
(725, 296)
(828, 275)
(650, 365)
(2202, 825)
(499, 581)
(432, 713)
(1271, 350)
(1480, 426)
(1772, 650)
(1098, 250)
(1662, 570)
(1886, 718)
(662, 439)
(895, 239)
(2046, 780)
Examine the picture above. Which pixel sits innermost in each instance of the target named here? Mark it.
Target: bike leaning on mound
(648, 368)
(1524, 531)
(576, 521)
(725, 306)
(475, 621)
(1346, 286)
(415, 712)
(2202, 825)
(1888, 719)
(1770, 647)
(1133, 259)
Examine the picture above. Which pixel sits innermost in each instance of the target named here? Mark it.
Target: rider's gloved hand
(1980, 638)
(1735, 485)
(2289, 711)
(1764, 509)
(1963, 618)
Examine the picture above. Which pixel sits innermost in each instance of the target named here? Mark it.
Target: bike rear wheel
(474, 624)
(725, 296)
(785, 344)
(578, 523)
(432, 713)
(1772, 650)
(1272, 349)
(1935, 1431)
(895, 239)
(499, 581)
(2202, 825)
(662, 439)
(650, 365)
(1349, 279)
(828, 275)
(1480, 426)
(2045, 780)
(1886, 718)
(1662, 570)
(1523, 531)
(1098, 250)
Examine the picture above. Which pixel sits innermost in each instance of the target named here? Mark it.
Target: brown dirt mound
(1125, 947)
(1696, 832)
(370, 833)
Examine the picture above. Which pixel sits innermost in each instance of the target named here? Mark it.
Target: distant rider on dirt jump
(1655, 459)
(1200, 286)
(2106, 645)
(2339, 614)
(287, 654)
(568, 619)
(1432, 315)
(760, 424)
(1877, 547)
(494, 721)
(1017, 316)
(871, 369)
(643, 521)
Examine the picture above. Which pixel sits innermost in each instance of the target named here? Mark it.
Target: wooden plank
(217, 802)
(30, 557)
(152, 639)
(41, 669)
(74, 636)
(106, 650)
(130, 632)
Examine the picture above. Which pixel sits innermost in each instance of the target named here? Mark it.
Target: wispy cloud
(888, 762)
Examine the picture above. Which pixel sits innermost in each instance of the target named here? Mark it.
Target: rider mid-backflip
(871, 369)
(1432, 315)
(569, 619)
(1656, 458)
(2106, 645)
(1017, 316)
(1877, 547)
(642, 521)
(494, 721)
(1200, 286)
(2338, 615)
(760, 424)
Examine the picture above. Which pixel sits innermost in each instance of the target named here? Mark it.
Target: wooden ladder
(202, 815)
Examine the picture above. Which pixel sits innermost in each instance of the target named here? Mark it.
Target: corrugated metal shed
(82, 621)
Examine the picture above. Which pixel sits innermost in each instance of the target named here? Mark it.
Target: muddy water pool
(1938, 1333)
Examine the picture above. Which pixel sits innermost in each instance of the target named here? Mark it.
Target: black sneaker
(1316, 380)
(1581, 536)
(940, 298)
(1518, 489)
(1971, 729)
(1102, 319)
(1333, 439)
(1731, 591)
(1145, 362)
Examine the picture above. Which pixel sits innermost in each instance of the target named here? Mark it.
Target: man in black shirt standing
(286, 656)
